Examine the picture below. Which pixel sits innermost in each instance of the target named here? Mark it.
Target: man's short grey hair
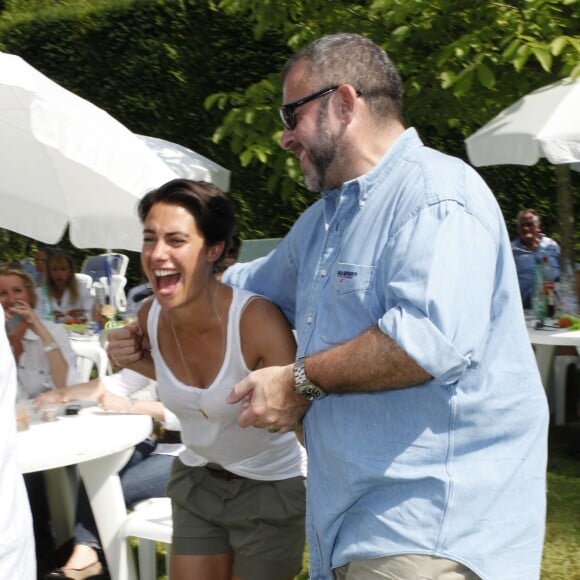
(537, 219)
(352, 59)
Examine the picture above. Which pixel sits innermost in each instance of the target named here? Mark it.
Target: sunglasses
(288, 112)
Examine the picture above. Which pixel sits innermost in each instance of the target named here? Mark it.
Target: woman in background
(69, 299)
(44, 358)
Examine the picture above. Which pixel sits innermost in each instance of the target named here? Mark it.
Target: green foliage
(206, 74)
(462, 61)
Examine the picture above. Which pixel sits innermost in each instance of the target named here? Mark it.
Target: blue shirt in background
(455, 467)
(526, 264)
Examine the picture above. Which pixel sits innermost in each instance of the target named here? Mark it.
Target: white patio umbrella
(189, 164)
(544, 123)
(64, 161)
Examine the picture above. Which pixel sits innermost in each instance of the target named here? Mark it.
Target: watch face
(310, 392)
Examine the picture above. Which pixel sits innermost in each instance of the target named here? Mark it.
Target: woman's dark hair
(211, 210)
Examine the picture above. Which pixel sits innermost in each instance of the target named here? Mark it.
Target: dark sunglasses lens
(288, 117)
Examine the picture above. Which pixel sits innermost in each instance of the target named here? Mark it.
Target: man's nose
(287, 138)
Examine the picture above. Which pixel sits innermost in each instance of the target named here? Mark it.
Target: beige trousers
(405, 567)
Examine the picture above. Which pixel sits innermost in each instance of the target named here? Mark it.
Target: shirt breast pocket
(350, 278)
(345, 308)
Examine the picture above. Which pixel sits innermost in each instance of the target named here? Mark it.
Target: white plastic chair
(149, 522)
(118, 284)
(117, 291)
(90, 353)
(561, 364)
(85, 280)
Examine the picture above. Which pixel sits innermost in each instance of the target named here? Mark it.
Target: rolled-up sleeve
(438, 296)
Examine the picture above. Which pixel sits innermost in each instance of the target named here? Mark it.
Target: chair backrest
(117, 291)
(96, 268)
(90, 354)
(84, 279)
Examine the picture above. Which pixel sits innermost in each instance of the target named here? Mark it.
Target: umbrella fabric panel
(65, 161)
(189, 164)
(544, 123)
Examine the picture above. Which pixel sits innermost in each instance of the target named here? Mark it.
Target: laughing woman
(237, 494)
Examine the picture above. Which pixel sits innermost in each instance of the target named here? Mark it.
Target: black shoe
(94, 571)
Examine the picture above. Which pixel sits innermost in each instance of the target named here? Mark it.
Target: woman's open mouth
(166, 281)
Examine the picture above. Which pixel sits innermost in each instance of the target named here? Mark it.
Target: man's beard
(321, 156)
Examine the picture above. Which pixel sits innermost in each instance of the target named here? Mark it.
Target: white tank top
(209, 428)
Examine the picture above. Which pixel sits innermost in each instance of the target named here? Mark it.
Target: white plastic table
(100, 444)
(545, 340)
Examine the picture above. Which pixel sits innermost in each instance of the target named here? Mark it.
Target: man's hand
(125, 345)
(268, 399)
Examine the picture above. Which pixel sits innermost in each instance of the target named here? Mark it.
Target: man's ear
(346, 103)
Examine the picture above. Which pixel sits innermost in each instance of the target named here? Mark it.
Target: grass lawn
(562, 546)
(561, 560)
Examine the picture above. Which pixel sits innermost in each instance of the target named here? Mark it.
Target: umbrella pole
(565, 216)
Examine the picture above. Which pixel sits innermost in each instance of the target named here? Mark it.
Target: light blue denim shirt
(526, 264)
(455, 467)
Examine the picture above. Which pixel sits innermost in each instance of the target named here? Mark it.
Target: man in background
(532, 245)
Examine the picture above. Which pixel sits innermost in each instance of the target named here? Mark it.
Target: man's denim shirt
(454, 467)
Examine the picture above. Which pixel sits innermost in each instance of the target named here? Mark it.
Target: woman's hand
(25, 311)
(111, 402)
(125, 345)
(52, 397)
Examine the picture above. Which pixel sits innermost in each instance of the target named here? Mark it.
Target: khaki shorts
(262, 522)
(406, 566)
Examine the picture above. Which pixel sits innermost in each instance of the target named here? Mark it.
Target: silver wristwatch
(302, 386)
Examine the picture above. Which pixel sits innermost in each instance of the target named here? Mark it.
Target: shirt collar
(364, 185)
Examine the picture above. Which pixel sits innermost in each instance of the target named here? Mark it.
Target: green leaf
(485, 76)
(464, 83)
(557, 45)
(511, 49)
(544, 57)
(246, 158)
(520, 60)
(447, 79)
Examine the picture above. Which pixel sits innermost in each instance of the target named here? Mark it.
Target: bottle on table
(567, 290)
(549, 290)
(539, 302)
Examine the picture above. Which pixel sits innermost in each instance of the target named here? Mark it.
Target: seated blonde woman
(44, 357)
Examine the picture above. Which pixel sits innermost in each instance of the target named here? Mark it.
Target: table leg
(544, 358)
(61, 490)
(103, 486)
